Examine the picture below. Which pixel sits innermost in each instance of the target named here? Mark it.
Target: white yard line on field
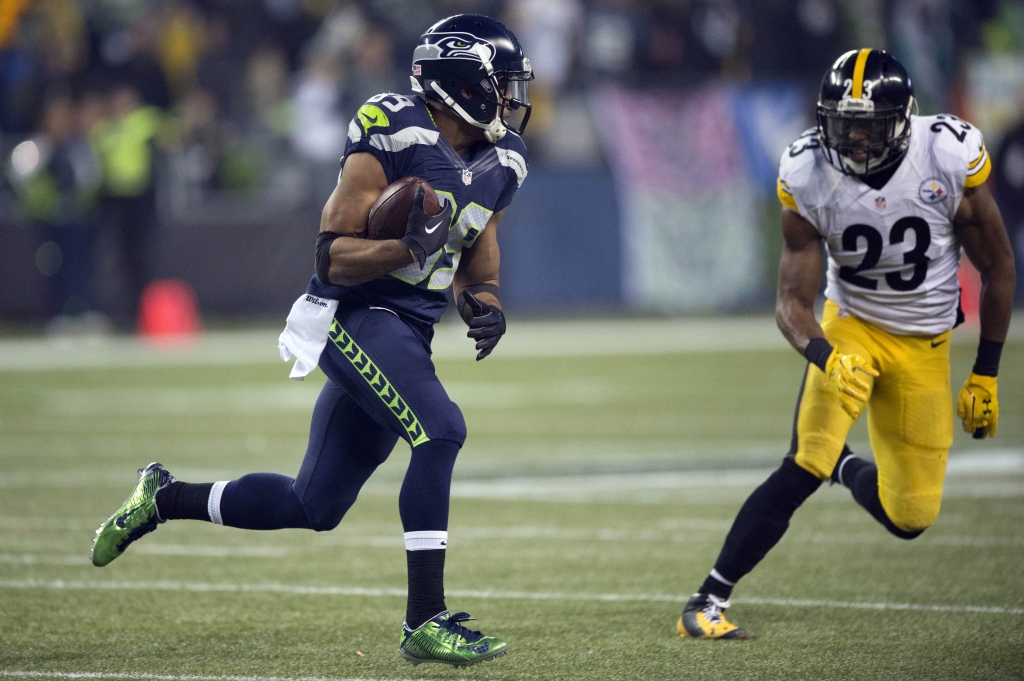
(697, 532)
(33, 559)
(981, 473)
(497, 595)
(15, 673)
(526, 338)
(213, 551)
(656, 487)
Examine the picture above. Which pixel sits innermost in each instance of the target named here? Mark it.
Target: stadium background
(641, 392)
(653, 146)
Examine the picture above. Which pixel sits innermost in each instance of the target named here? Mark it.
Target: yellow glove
(851, 389)
(977, 405)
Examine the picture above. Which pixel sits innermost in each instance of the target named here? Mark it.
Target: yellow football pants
(910, 416)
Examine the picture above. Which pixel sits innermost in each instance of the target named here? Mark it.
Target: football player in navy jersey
(367, 319)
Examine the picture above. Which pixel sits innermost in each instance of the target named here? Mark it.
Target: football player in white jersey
(894, 197)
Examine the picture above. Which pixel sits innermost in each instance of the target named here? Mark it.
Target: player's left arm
(476, 289)
(980, 229)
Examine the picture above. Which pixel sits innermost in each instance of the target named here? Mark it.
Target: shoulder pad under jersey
(387, 126)
(957, 148)
(392, 122)
(798, 170)
(512, 154)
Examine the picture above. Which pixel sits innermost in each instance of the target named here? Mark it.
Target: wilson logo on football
(932, 191)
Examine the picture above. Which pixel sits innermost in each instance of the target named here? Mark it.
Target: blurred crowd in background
(122, 117)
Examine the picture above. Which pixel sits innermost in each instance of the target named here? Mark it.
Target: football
(390, 212)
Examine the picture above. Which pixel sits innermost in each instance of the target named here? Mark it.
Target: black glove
(487, 324)
(426, 234)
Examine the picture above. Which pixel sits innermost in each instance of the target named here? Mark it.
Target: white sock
(427, 540)
(213, 502)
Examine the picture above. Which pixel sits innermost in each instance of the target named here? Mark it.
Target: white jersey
(892, 252)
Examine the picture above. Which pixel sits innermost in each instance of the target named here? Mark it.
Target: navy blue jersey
(400, 133)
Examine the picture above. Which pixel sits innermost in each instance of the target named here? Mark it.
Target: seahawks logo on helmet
(455, 46)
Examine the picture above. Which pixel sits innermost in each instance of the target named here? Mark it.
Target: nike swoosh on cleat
(935, 345)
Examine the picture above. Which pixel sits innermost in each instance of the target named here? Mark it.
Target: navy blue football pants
(381, 386)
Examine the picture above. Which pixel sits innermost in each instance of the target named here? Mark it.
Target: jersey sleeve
(796, 176)
(513, 158)
(979, 164)
(958, 150)
(379, 130)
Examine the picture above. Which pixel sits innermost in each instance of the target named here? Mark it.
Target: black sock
(426, 586)
(760, 524)
(852, 468)
(184, 501)
(862, 479)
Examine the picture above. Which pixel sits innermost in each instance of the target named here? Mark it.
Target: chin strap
(493, 131)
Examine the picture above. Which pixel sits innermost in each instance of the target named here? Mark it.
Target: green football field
(589, 502)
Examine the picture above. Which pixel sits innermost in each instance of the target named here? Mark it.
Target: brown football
(390, 212)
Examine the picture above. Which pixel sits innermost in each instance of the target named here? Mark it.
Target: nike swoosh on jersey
(935, 345)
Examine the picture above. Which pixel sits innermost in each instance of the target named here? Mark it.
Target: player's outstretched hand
(851, 389)
(426, 234)
(978, 407)
(486, 326)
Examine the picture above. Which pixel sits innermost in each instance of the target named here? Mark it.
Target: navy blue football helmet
(864, 111)
(474, 55)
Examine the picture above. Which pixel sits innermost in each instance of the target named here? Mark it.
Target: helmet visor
(517, 87)
(515, 99)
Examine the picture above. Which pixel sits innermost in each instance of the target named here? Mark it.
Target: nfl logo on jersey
(467, 176)
(932, 191)
(880, 203)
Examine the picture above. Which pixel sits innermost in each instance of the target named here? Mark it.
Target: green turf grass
(70, 441)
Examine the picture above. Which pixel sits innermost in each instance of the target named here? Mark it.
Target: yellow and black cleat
(704, 617)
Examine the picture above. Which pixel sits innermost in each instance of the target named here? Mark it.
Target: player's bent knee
(326, 522)
(911, 518)
(818, 452)
(324, 517)
(450, 425)
(903, 534)
(814, 465)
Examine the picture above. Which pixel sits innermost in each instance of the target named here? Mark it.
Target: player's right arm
(799, 277)
(354, 259)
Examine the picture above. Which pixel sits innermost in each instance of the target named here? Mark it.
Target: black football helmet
(475, 54)
(864, 112)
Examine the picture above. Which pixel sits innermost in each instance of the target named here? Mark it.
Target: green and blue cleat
(136, 518)
(444, 640)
